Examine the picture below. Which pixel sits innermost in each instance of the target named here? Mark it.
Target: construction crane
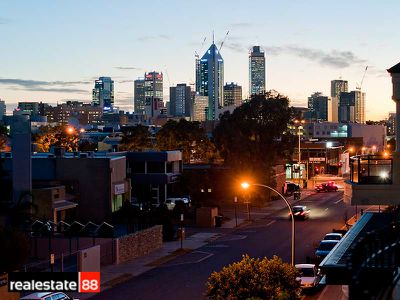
(358, 87)
(196, 54)
(226, 35)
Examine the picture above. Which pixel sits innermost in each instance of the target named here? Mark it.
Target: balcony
(372, 181)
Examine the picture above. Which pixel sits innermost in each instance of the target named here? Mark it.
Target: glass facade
(153, 93)
(103, 93)
(139, 96)
(257, 71)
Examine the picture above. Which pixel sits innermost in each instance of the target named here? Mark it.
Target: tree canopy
(15, 250)
(253, 278)
(58, 136)
(256, 134)
(135, 138)
(188, 137)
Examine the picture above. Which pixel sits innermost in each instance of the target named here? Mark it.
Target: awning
(63, 205)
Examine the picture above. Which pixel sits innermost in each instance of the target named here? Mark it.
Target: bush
(255, 279)
(15, 250)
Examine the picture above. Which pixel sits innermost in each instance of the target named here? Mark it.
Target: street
(185, 276)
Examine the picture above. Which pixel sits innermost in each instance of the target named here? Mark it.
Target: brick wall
(138, 244)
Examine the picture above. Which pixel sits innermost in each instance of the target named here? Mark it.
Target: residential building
(318, 106)
(83, 113)
(212, 80)
(232, 94)
(31, 107)
(139, 99)
(199, 108)
(257, 82)
(338, 86)
(153, 91)
(103, 93)
(180, 98)
(2, 109)
(352, 107)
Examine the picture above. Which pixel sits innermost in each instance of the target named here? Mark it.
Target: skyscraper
(352, 107)
(180, 98)
(212, 80)
(2, 109)
(139, 99)
(256, 71)
(103, 93)
(199, 108)
(318, 106)
(338, 86)
(232, 94)
(198, 74)
(153, 92)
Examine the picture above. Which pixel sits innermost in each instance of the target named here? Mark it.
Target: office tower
(232, 94)
(199, 108)
(198, 73)
(352, 107)
(139, 99)
(153, 92)
(338, 86)
(256, 71)
(103, 93)
(2, 109)
(212, 80)
(180, 100)
(318, 106)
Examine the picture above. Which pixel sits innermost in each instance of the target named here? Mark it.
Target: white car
(47, 296)
(171, 202)
(309, 275)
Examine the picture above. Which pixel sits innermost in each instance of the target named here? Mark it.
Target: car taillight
(302, 213)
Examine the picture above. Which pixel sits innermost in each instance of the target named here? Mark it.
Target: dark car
(324, 248)
(326, 187)
(300, 212)
(290, 188)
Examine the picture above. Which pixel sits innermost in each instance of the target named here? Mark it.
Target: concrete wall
(373, 135)
(138, 244)
(371, 194)
(89, 259)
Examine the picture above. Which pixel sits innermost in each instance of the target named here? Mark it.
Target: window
(117, 203)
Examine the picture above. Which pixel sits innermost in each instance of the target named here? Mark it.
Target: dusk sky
(53, 50)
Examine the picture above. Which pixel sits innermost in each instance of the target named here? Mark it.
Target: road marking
(326, 209)
(270, 223)
(207, 255)
(340, 200)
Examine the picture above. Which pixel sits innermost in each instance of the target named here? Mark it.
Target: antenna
(213, 36)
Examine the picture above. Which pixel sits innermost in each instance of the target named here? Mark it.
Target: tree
(188, 137)
(255, 135)
(135, 138)
(3, 139)
(59, 136)
(255, 279)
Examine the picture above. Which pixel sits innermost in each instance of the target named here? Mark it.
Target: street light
(246, 185)
(299, 127)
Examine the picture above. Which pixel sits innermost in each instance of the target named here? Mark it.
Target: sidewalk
(113, 275)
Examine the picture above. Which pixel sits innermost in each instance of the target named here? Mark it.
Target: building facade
(352, 107)
(212, 80)
(338, 86)
(153, 92)
(257, 82)
(319, 107)
(199, 108)
(180, 98)
(391, 124)
(84, 113)
(139, 99)
(103, 93)
(232, 94)
(2, 109)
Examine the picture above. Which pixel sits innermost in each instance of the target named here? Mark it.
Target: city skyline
(61, 61)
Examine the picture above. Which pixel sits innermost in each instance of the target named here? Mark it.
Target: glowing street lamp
(70, 130)
(246, 185)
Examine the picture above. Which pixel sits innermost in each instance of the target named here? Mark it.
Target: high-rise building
(338, 86)
(2, 109)
(212, 80)
(318, 106)
(153, 92)
(198, 73)
(199, 108)
(103, 93)
(139, 99)
(256, 71)
(232, 94)
(352, 107)
(31, 107)
(180, 99)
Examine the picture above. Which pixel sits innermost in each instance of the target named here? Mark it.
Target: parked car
(300, 212)
(47, 296)
(333, 236)
(327, 187)
(171, 202)
(310, 276)
(325, 246)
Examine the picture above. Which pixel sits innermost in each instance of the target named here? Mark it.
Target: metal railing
(371, 169)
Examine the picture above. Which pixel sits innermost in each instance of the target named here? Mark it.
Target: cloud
(334, 58)
(127, 68)
(154, 37)
(242, 25)
(125, 81)
(4, 21)
(44, 86)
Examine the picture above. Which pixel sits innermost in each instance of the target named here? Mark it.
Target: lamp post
(246, 185)
(351, 149)
(299, 127)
